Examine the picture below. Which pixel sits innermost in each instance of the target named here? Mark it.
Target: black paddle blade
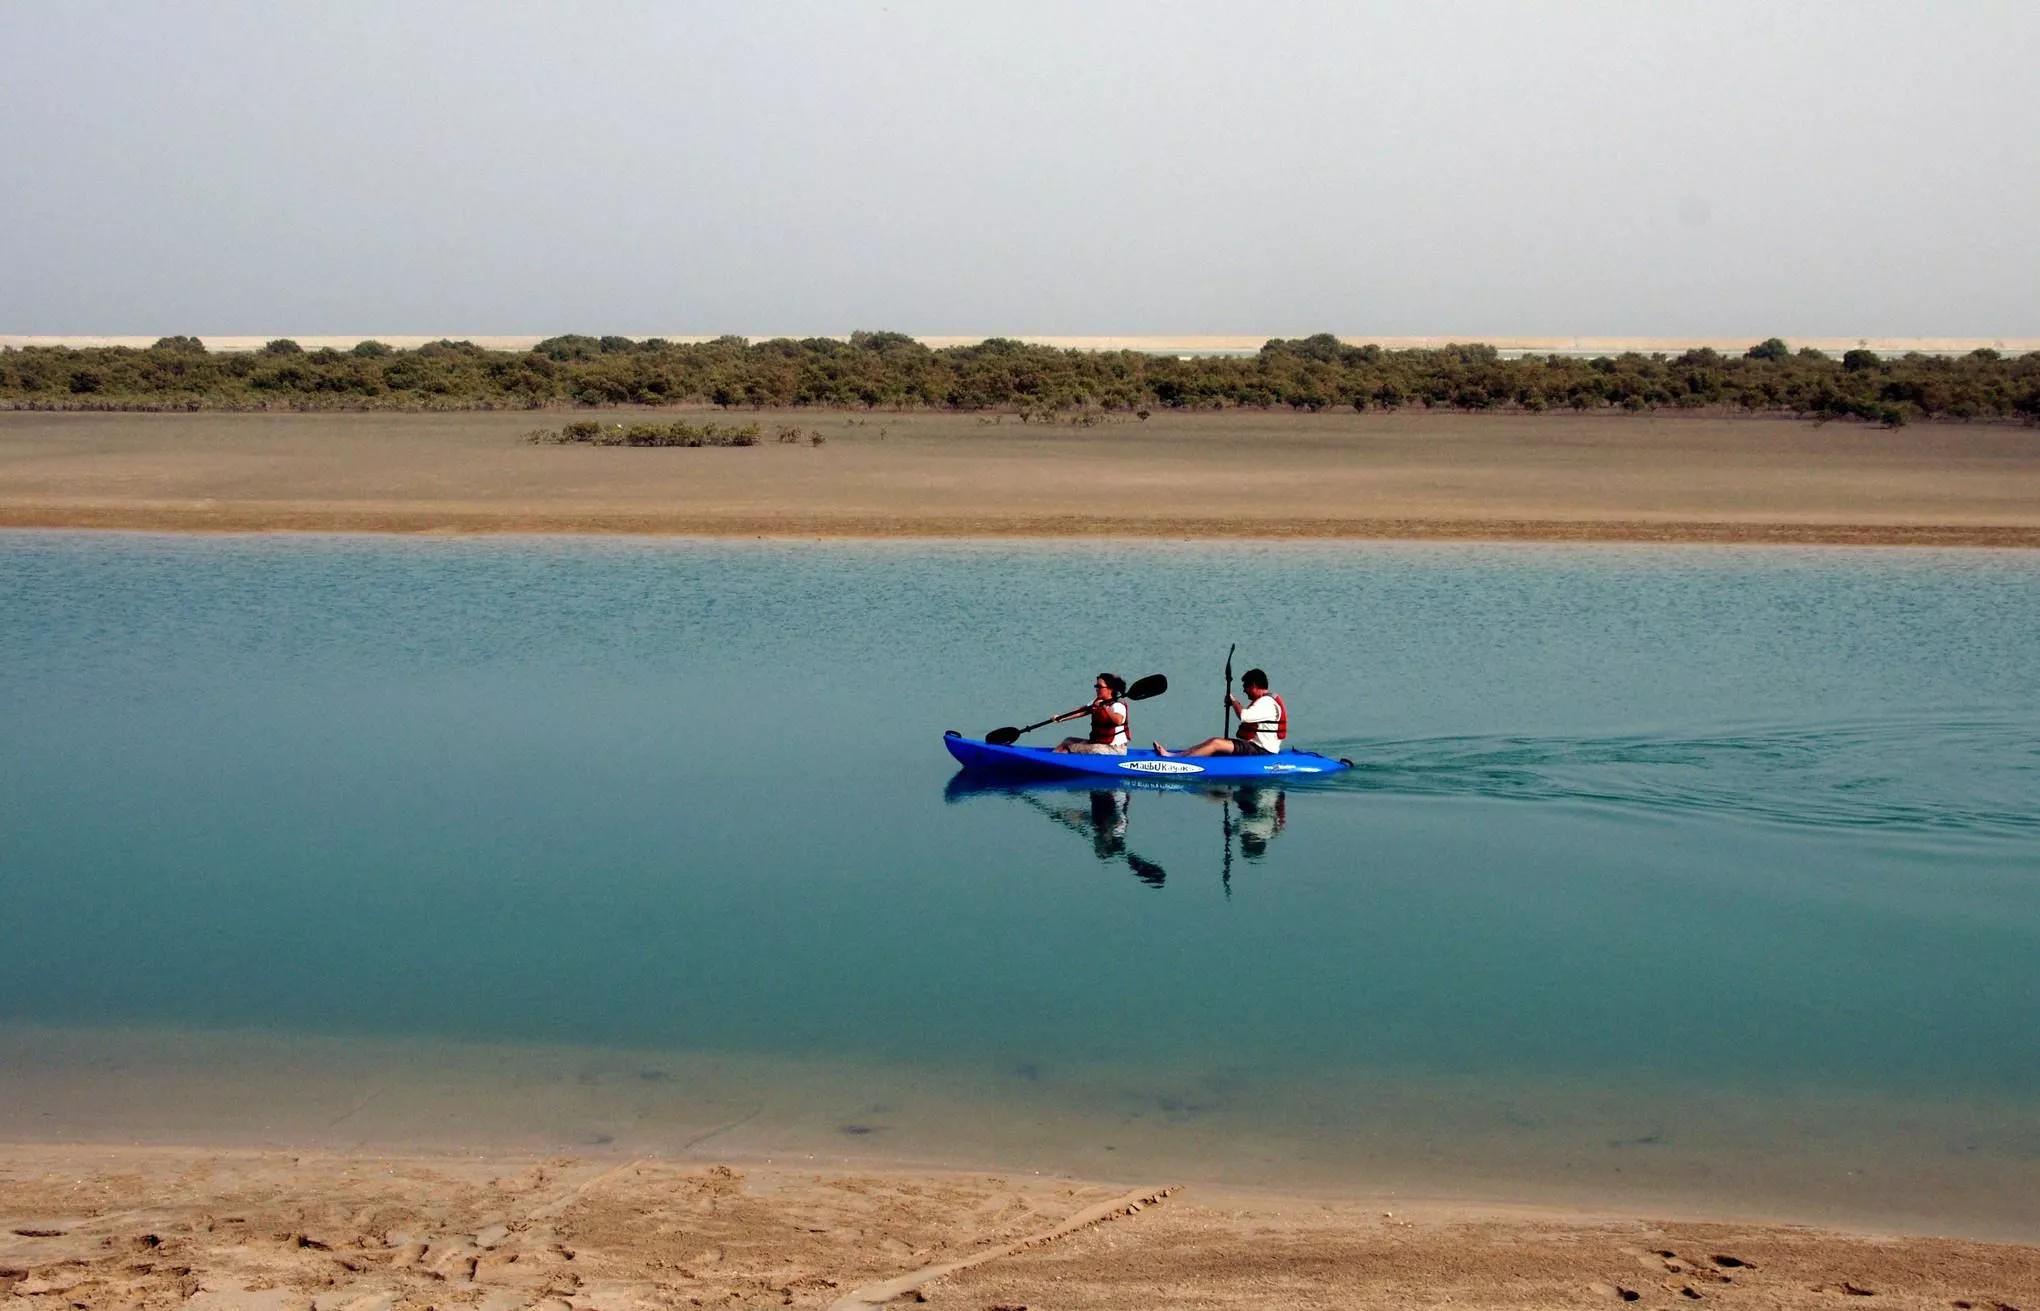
(1146, 870)
(1152, 685)
(1003, 737)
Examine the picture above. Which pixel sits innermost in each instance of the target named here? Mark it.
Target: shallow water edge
(1941, 1166)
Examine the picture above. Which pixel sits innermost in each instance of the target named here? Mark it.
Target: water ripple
(1966, 775)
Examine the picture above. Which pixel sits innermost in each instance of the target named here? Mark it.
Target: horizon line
(1158, 344)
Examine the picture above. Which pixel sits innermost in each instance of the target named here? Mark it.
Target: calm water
(1647, 848)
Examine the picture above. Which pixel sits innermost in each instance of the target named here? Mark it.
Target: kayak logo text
(1162, 766)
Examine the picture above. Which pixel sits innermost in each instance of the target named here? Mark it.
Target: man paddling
(1109, 722)
(1264, 723)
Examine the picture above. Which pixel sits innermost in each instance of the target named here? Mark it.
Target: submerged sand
(1208, 475)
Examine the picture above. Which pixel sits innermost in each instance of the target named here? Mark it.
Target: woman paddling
(1109, 721)
(1264, 723)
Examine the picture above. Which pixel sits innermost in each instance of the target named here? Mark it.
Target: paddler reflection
(1103, 821)
(1262, 813)
(1253, 815)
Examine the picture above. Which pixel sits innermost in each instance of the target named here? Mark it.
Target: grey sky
(1416, 168)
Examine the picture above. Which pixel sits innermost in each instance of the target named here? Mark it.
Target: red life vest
(1104, 731)
(1253, 727)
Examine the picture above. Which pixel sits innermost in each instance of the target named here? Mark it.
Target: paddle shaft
(1225, 715)
(1225, 803)
(1225, 832)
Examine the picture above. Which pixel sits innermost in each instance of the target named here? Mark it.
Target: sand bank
(1212, 475)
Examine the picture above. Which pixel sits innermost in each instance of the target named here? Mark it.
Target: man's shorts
(1246, 746)
(1095, 749)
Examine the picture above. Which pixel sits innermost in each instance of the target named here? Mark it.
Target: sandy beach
(149, 1227)
(1234, 474)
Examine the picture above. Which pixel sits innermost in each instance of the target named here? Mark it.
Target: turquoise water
(1684, 824)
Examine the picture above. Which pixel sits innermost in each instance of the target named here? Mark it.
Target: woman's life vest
(1104, 731)
(1261, 728)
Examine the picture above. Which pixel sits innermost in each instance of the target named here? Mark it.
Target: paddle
(1225, 817)
(1225, 716)
(1152, 685)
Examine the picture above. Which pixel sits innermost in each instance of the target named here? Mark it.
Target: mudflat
(1239, 474)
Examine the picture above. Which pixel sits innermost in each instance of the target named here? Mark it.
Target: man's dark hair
(1115, 682)
(1256, 677)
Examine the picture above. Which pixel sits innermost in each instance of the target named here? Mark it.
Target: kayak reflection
(1252, 815)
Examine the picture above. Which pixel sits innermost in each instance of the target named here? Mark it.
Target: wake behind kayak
(1043, 761)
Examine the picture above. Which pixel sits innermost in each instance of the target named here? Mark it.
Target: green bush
(1044, 384)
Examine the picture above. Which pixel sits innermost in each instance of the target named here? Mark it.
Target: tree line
(890, 370)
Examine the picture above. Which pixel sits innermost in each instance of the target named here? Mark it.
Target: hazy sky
(1473, 169)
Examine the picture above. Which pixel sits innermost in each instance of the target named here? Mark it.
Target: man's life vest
(1253, 727)
(1104, 731)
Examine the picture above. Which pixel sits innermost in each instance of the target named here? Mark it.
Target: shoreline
(466, 522)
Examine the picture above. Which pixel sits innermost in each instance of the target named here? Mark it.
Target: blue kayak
(972, 754)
